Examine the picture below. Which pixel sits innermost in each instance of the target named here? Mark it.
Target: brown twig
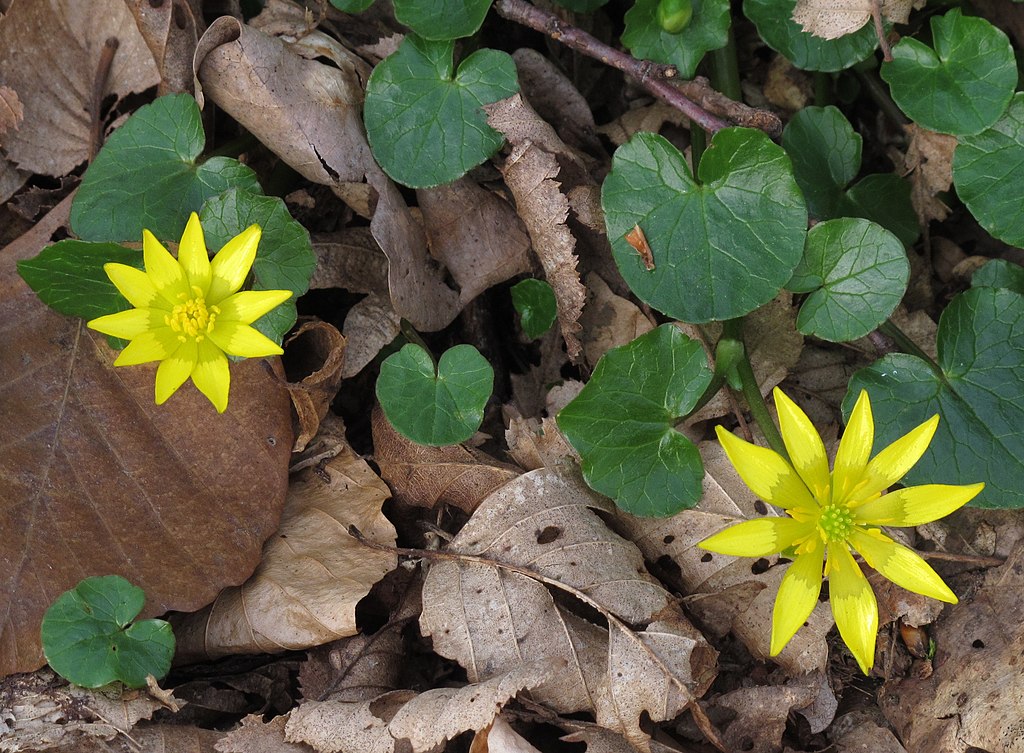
(99, 86)
(699, 716)
(876, 16)
(967, 559)
(695, 99)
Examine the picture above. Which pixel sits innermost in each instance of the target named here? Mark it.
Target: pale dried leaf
(601, 740)
(868, 737)
(306, 112)
(350, 259)
(786, 86)
(256, 736)
(609, 320)
(171, 31)
(760, 715)
(427, 476)
(323, 357)
(831, 19)
(11, 111)
(11, 178)
(530, 390)
(929, 163)
(475, 234)
(369, 327)
(555, 98)
(650, 118)
(534, 443)
(342, 727)
(56, 90)
(499, 737)
(313, 573)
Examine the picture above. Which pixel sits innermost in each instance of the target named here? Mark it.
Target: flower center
(835, 522)
(192, 318)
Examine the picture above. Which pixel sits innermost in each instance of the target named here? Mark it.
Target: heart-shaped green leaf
(1000, 273)
(440, 20)
(68, 277)
(826, 154)
(978, 394)
(963, 85)
(146, 175)
(774, 22)
(722, 247)
(707, 30)
(285, 259)
(425, 122)
(89, 638)
(856, 273)
(439, 407)
(988, 178)
(534, 301)
(622, 423)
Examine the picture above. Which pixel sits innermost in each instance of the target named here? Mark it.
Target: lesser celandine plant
(830, 513)
(189, 313)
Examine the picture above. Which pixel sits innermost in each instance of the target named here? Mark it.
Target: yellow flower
(188, 313)
(830, 512)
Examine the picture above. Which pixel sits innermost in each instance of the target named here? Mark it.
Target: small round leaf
(826, 154)
(146, 175)
(774, 22)
(963, 85)
(722, 247)
(285, 259)
(977, 392)
(442, 19)
(439, 407)
(707, 30)
(987, 175)
(89, 638)
(534, 300)
(425, 122)
(623, 423)
(856, 273)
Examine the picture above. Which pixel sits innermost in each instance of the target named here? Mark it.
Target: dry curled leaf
(759, 715)
(171, 30)
(499, 737)
(929, 162)
(313, 572)
(321, 353)
(534, 443)
(11, 111)
(256, 736)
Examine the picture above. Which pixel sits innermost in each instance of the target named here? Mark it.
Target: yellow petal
(152, 345)
(757, 538)
(806, 450)
(767, 474)
(242, 340)
(902, 566)
(798, 594)
(135, 285)
(854, 449)
(916, 505)
(164, 271)
(212, 375)
(174, 370)
(232, 263)
(853, 605)
(249, 305)
(892, 463)
(193, 256)
(128, 324)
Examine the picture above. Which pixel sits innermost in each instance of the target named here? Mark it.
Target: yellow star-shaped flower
(188, 312)
(830, 512)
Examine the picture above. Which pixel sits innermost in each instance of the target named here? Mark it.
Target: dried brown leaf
(499, 737)
(651, 118)
(97, 478)
(350, 259)
(11, 111)
(312, 575)
(556, 99)
(171, 30)
(929, 162)
(475, 234)
(608, 320)
(760, 715)
(534, 443)
(64, 40)
(322, 358)
(343, 727)
(428, 476)
(256, 736)
(831, 19)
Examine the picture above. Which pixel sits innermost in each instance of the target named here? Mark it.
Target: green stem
(758, 407)
(880, 94)
(822, 89)
(410, 334)
(725, 70)
(904, 343)
(698, 143)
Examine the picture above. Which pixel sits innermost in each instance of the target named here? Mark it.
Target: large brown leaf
(96, 479)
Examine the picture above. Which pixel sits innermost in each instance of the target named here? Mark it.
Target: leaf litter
(533, 604)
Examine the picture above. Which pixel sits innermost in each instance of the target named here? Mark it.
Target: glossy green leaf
(534, 301)
(963, 85)
(147, 175)
(68, 277)
(707, 30)
(988, 178)
(774, 22)
(440, 20)
(722, 247)
(284, 260)
(856, 273)
(978, 394)
(623, 423)
(435, 407)
(89, 638)
(826, 154)
(1000, 273)
(425, 122)
(352, 6)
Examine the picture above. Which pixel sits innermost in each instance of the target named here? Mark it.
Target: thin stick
(699, 716)
(695, 99)
(876, 15)
(967, 559)
(99, 85)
